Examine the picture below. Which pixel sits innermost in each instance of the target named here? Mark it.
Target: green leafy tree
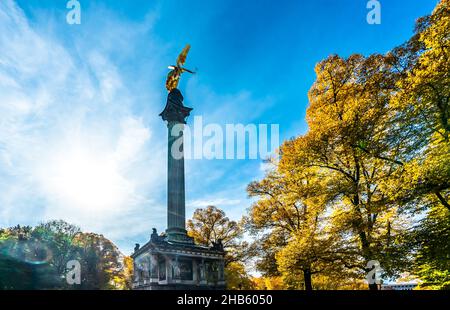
(432, 242)
(422, 111)
(36, 258)
(101, 259)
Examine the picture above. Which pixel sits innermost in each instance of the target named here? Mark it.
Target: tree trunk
(442, 200)
(367, 253)
(307, 280)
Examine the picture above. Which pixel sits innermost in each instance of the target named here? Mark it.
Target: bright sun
(87, 181)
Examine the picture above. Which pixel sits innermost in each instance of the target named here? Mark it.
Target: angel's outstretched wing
(187, 70)
(182, 57)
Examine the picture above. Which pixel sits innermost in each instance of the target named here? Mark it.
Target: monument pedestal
(165, 265)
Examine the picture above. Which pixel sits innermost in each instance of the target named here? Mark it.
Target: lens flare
(31, 252)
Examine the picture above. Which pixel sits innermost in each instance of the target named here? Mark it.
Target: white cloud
(218, 202)
(131, 140)
(109, 81)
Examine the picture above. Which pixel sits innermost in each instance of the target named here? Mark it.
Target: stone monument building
(173, 260)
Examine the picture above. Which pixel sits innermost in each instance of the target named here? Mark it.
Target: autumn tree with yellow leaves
(375, 158)
(210, 225)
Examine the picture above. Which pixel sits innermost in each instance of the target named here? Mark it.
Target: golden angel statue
(177, 70)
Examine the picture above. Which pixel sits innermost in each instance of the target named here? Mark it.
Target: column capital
(175, 111)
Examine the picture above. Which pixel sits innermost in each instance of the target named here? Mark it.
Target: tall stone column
(175, 113)
(175, 173)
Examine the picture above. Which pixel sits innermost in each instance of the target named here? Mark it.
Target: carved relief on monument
(221, 271)
(136, 273)
(175, 269)
(153, 266)
(162, 269)
(186, 270)
(201, 270)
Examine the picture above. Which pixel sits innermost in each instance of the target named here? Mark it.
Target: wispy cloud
(71, 144)
(202, 203)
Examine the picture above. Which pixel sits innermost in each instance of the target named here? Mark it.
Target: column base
(178, 235)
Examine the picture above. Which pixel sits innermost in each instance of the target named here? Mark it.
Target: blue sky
(80, 136)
